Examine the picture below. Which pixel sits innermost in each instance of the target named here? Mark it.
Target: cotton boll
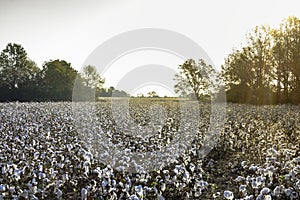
(3, 169)
(243, 189)
(240, 179)
(12, 189)
(297, 185)
(203, 184)
(84, 194)
(113, 183)
(104, 183)
(265, 191)
(288, 191)
(277, 191)
(228, 195)
(160, 197)
(267, 197)
(260, 197)
(25, 194)
(139, 190)
(215, 195)
(59, 194)
(2, 188)
(133, 197)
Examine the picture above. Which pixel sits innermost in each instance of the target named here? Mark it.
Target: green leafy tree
(279, 60)
(17, 72)
(112, 92)
(13, 62)
(248, 73)
(29, 89)
(91, 78)
(197, 77)
(58, 79)
(267, 70)
(259, 45)
(152, 94)
(182, 86)
(286, 59)
(238, 76)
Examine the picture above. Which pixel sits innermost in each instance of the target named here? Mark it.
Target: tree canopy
(57, 80)
(196, 79)
(264, 71)
(267, 69)
(22, 80)
(17, 72)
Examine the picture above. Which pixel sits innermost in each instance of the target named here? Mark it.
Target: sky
(72, 30)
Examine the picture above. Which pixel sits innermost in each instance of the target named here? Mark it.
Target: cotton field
(48, 151)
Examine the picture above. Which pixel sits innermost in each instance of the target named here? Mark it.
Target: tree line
(22, 80)
(264, 71)
(267, 69)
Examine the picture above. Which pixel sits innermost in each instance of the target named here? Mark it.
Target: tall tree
(291, 33)
(182, 87)
(281, 75)
(16, 70)
(13, 62)
(286, 60)
(152, 94)
(91, 78)
(270, 64)
(259, 42)
(249, 72)
(29, 89)
(58, 79)
(238, 76)
(200, 76)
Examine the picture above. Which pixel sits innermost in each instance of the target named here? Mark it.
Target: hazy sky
(71, 30)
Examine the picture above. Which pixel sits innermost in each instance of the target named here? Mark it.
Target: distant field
(45, 154)
(146, 98)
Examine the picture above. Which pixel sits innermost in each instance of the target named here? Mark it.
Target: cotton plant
(52, 160)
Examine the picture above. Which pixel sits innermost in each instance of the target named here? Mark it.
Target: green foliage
(267, 70)
(182, 86)
(91, 78)
(152, 94)
(196, 79)
(13, 62)
(111, 92)
(17, 74)
(22, 80)
(58, 79)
